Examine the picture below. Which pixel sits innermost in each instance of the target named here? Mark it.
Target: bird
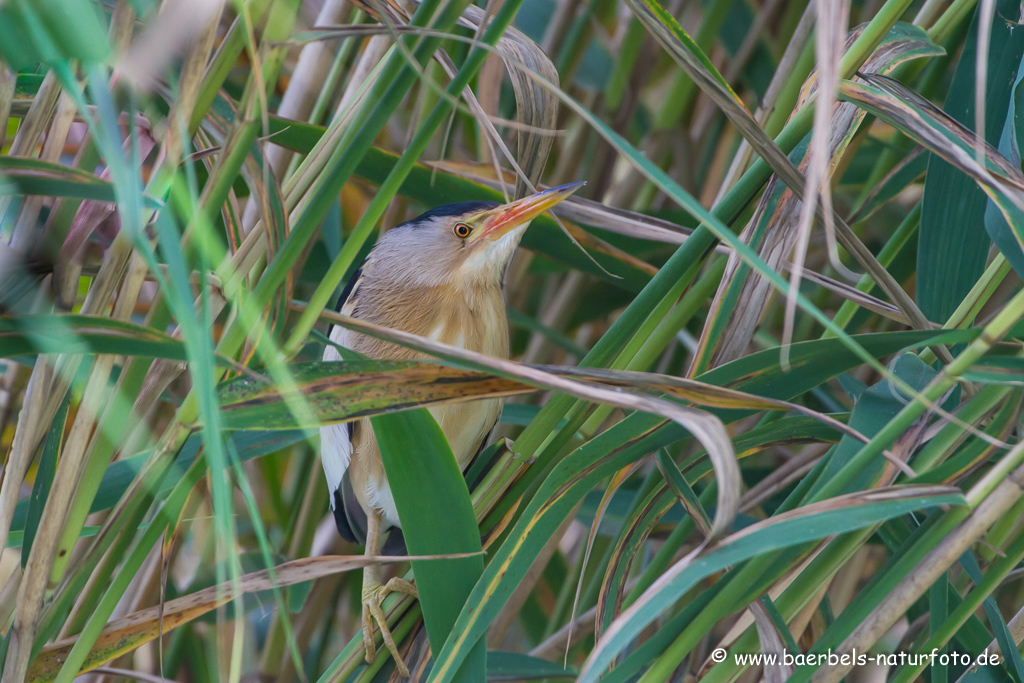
(440, 275)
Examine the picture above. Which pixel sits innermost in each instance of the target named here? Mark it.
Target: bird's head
(465, 242)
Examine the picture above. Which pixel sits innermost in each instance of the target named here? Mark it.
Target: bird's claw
(373, 596)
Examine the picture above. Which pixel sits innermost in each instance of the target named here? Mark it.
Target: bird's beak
(500, 221)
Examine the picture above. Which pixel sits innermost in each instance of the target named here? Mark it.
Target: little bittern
(439, 276)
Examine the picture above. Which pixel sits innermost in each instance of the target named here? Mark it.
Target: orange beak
(500, 221)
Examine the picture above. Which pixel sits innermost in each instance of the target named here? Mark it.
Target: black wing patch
(345, 293)
(350, 519)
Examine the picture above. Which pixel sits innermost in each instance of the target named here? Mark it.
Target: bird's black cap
(456, 209)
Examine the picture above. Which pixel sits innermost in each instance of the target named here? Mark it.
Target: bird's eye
(462, 230)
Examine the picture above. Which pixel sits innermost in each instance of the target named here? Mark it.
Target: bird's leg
(374, 593)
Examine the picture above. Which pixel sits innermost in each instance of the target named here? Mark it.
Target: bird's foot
(373, 596)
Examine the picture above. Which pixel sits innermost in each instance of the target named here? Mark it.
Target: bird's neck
(472, 318)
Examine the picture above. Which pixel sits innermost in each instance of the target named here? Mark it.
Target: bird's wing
(336, 440)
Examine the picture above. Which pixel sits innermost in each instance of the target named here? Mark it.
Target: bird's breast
(474, 319)
(480, 324)
(466, 425)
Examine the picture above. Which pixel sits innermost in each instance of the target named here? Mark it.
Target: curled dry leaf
(942, 135)
(337, 392)
(536, 108)
(832, 22)
(772, 643)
